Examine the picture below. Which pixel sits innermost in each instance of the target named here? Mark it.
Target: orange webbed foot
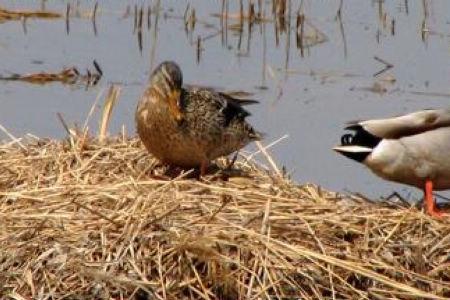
(430, 204)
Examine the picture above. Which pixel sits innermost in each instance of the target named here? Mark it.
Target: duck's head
(166, 81)
(359, 145)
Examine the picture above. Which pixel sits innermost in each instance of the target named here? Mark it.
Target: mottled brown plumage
(190, 126)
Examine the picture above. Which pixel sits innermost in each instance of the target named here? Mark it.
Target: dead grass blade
(110, 101)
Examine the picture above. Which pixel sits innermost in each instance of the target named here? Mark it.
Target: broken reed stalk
(94, 12)
(135, 18)
(199, 48)
(139, 28)
(140, 18)
(156, 9)
(300, 31)
(68, 18)
(251, 14)
(12, 137)
(387, 65)
(226, 22)
(149, 17)
(241, 14)
(93, 17)
(190, 20)
(110, 101)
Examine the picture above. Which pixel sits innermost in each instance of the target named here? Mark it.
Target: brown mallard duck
(190, 126)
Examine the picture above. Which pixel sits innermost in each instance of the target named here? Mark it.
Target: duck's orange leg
(203, 168)
(429, 200)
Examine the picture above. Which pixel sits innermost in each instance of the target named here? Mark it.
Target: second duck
(413, 149)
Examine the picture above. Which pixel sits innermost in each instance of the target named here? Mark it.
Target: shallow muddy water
(308, 87)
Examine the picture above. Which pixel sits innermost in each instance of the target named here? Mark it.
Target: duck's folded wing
(232, 107)
(236, 98)
(219, 104)
(239, 96)
(406, 125)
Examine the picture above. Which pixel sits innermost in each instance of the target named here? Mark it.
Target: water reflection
(313, 65)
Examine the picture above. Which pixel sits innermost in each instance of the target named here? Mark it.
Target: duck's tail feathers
(246, 101)
(256, 135)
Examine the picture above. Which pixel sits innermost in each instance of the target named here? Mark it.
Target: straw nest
(90, 221)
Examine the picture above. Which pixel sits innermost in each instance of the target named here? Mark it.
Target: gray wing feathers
(407, 125)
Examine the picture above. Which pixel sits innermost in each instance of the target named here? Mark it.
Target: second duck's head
(166, 81)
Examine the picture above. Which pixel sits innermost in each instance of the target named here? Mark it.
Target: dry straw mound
(90, 222)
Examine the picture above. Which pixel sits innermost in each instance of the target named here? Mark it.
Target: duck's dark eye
(347, 139)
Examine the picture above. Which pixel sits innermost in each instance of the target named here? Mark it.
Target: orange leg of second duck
(429, 200)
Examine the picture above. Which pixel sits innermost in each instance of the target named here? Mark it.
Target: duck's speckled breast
(163, 136)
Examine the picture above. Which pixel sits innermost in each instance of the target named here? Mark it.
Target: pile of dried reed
(91, 222)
